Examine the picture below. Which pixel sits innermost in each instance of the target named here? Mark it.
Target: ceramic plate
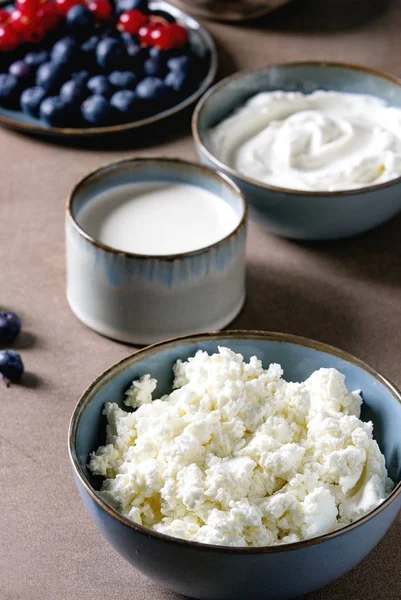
(201, 43)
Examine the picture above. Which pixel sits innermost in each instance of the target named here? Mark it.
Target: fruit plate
(201, 43)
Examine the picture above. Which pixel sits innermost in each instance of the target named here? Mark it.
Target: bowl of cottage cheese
(315, 147)
(218, 463)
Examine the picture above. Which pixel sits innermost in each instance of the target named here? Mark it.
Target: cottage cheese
(324, 141)
(238, 456)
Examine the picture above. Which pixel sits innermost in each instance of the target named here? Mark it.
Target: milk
(157, 218)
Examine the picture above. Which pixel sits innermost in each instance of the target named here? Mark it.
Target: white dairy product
(157, 218)
(237, 456)
(324, 141)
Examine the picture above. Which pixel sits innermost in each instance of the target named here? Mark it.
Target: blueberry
(31, 99)
(90, 44)
(126, 104)
(111, 32)
(88, 51)
(50, 76)
(110, 54)
(82, 76)
(20, 70)
(132, 45)
(124, 5)
(176, 80)
(80, 21)
(152, 89)
(10, 326)
(11, 366)
(132, 48)
(180, 63)
(100, 85)
(65, 51)
(73, 91)
(35, 59)
(9, 90)
(136, 56)
(156, 52)
(97, 111)
(123, 80)
(55, 111)
(127, 38)
(154, 67)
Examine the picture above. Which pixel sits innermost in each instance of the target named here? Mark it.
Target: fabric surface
(346, 293)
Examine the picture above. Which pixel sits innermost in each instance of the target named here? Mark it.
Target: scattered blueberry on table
(10, 326)
(91, 63)
(11, 366)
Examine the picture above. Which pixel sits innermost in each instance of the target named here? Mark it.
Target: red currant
(9, 39)
(180, 35)
(28, 7)
(47, 16)
(36, 33)
(145, 32)
(163, 37)
(101, 9)
(131, 21)
(21, 22)
(4, 17)
(168, 36)
(63, 6)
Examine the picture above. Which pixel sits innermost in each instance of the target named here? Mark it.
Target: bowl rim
(319, 64)
(140, 161)
(86, 132)
(235, 16)
(137, 356)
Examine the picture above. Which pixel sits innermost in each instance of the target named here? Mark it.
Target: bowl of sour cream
(155, 248)
(315, 147)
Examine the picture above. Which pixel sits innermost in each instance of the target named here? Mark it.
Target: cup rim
(321, 64)
(208, 172)
(153, 349)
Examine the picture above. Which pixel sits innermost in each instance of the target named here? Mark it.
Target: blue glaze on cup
(291, 213)
(143, 298)
(227, 573)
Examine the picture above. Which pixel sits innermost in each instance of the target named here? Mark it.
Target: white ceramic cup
(142, 299)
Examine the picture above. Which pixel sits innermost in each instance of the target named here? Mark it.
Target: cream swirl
(324, 141)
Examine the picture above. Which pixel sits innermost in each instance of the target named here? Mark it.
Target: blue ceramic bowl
(227, 573)
(291, 213)
(202, 44)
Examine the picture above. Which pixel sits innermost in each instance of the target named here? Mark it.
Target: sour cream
(324, 141)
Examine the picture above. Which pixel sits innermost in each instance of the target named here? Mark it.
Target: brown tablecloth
(346, 293)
